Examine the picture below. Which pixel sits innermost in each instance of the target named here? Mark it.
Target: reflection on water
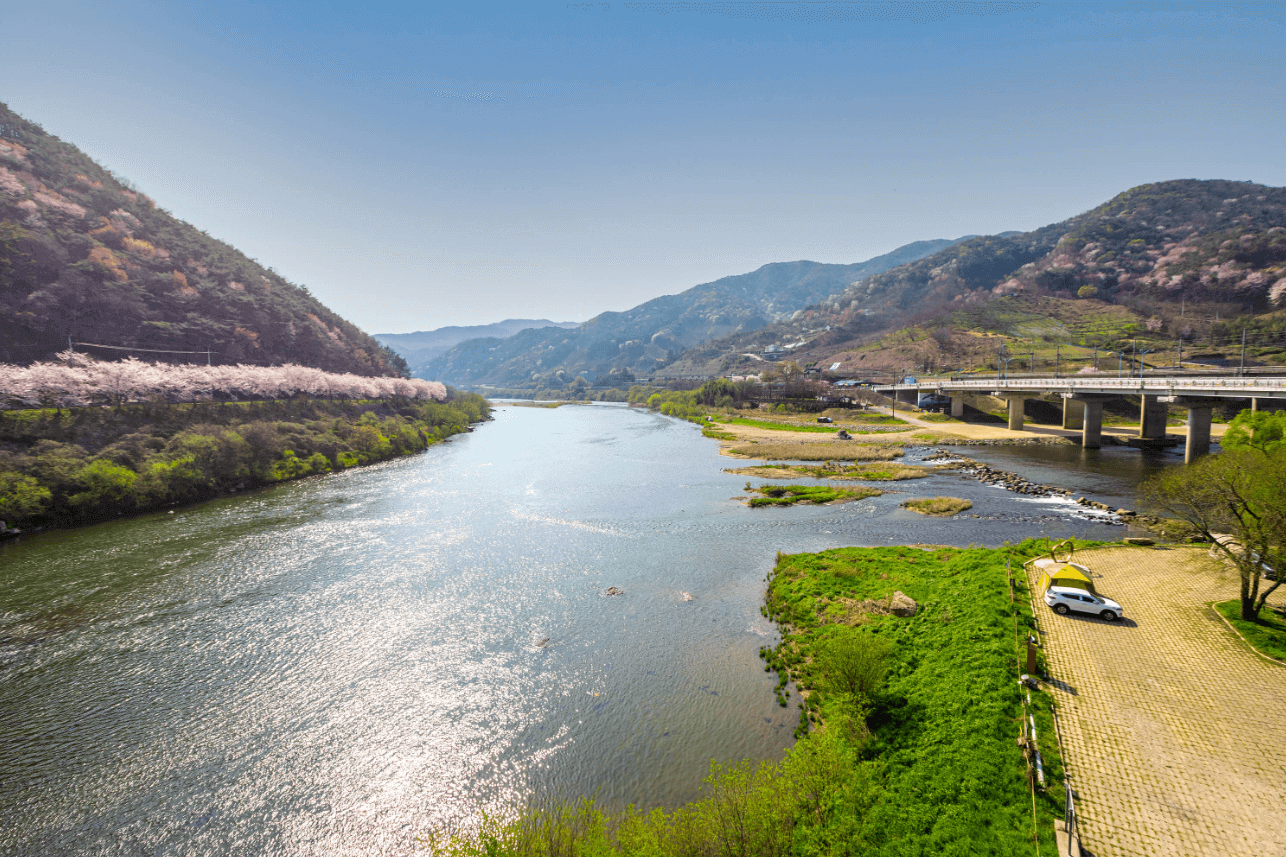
(340, 663)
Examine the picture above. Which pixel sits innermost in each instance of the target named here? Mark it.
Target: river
(343, 663)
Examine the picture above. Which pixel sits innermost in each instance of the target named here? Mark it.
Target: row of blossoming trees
(77, 380)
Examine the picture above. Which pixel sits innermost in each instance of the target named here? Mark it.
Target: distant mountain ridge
(422, 346)
(638, 341)
(1185, 240)
(86, 257)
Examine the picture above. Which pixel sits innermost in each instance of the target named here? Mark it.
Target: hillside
(87, 257)
(621, 345)
(1199, 247)
(422, 346)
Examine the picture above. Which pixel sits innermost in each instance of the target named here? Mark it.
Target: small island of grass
(939, 507)
(790, 495)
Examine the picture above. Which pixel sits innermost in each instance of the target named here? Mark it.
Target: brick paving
(1173, 728)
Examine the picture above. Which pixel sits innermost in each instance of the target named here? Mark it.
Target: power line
(150, 350)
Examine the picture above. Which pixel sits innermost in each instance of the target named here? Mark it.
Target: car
(1066, 599)
(825, 420)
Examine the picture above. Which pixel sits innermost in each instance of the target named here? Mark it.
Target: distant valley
(619, 346)
(420, 347)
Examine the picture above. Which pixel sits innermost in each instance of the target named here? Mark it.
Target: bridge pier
(910, 396)
(1073, 413)
(1198, 434)
(1015, 412)
(1199, 409)
(1092, 424)
(1091, 417)
(957, 406)
(1152, 416)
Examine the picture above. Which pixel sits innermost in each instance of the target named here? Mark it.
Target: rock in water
(612, 590)
(687, 596)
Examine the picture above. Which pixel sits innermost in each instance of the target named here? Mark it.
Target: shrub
(854, 663)
(21, 497)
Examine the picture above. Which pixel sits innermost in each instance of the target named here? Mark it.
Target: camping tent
(1068, 574)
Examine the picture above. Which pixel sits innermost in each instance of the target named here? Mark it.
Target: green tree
(21, 497)
(1261, 430)
(105, 485)
(1087, 292)
(1237, 501)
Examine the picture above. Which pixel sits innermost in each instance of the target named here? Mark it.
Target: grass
(1267, 636)
(937, 418)
(940, 507)
(790, 495)
(873, 418)
(717, 435)
(943, 728)
(775, 426)
(818, 452)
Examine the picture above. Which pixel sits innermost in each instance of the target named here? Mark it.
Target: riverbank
(914, 729)
(70, 466)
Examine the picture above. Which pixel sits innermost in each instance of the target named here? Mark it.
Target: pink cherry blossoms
(78, 380)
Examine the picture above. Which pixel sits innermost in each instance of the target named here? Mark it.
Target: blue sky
(418, 165)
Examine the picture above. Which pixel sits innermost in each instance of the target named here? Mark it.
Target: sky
(419, 165)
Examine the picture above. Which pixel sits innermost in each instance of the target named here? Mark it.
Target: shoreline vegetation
(64, 466)
(907, 662)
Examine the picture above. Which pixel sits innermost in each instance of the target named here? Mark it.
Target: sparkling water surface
(341, 664)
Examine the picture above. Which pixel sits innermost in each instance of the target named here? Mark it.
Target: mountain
(85, 256)
(638, 341)
(422, 346)
(1184, 242)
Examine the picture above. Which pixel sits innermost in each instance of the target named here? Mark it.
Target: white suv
(1065, 599)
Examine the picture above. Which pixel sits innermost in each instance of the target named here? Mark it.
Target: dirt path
(1172, 726)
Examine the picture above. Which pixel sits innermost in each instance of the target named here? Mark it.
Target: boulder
(902, 605)
(612, 590)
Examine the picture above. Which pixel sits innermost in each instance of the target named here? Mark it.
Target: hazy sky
(418, 165)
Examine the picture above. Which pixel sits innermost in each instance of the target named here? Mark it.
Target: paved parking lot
(1173, 728)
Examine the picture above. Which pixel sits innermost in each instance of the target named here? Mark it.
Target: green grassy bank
(907, 740)
(61, 467)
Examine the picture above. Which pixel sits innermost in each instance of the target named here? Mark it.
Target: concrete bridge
(1083, 397)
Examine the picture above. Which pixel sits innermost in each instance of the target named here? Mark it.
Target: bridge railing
(1224, 385)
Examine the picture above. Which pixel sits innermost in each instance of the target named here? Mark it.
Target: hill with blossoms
(87, 257)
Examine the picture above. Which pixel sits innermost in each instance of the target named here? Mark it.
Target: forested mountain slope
(83, 255)
(1195, 242)
(637, 341)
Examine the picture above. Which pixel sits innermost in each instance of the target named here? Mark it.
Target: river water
(340, 664)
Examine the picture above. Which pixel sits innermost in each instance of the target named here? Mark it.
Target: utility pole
(1242, 370)
(1057, 359)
